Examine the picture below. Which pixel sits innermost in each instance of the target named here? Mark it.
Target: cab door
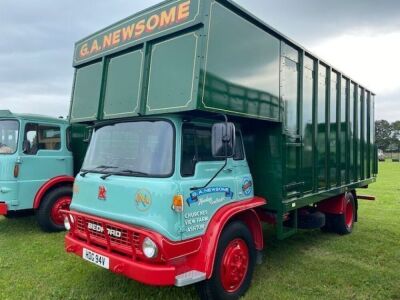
(197, 167)
(43, 157)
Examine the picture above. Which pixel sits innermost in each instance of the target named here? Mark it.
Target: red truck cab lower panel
(124, 249)
(151, 274)
(177, 263)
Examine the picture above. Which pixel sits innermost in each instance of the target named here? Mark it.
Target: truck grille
(107, 236)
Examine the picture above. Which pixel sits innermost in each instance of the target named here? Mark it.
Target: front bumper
(146, 273)
(174, 265)
(3, 209)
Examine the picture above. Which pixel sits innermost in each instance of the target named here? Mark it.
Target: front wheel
(49, 216)
(234, 265)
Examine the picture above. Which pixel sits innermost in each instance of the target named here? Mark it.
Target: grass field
(310, 265)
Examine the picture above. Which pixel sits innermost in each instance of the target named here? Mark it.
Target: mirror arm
(223, 167)
(211, 180)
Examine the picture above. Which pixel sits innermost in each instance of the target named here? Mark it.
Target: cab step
(189, 278)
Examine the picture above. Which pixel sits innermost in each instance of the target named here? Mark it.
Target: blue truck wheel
(48, 214)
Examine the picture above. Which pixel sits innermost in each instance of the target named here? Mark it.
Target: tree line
(387, 135)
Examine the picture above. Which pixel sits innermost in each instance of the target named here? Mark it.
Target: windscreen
(141, 148)
(8, 136)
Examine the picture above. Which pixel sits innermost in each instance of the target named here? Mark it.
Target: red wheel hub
(349, 214)
(60, 204)
(234, 265)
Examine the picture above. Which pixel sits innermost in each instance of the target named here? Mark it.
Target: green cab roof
(32, 117)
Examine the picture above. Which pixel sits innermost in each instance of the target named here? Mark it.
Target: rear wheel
(49, 216)
(234, 265)
(344, 223)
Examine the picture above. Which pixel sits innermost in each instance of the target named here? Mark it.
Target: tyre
(48, 214)
(344, 223)
(233, 266)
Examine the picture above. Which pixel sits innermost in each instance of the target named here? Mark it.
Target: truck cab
(142, 171)
(153, 196)
(36, 167)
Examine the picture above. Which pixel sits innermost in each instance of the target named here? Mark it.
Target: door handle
(228, 170)
(61, 159)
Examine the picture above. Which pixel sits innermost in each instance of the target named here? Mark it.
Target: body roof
(261, 23)
(231, 5)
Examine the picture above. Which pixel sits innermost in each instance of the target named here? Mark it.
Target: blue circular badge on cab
(247, 186)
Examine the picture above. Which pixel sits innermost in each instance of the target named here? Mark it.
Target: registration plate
(96, 258)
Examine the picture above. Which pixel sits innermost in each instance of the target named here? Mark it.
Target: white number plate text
(95, 258)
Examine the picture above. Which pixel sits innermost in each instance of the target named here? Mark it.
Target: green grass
(310, 265)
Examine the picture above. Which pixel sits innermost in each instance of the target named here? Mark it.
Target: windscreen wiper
(102, 168)
(131, 172)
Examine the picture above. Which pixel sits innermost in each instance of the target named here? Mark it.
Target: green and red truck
(37, 166)
(207, 123)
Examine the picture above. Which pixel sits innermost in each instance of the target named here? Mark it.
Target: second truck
(39, 157)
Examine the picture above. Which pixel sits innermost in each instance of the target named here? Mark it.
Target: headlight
(149, 248)
(67, 225)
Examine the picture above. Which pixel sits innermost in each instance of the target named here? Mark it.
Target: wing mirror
(223, 140)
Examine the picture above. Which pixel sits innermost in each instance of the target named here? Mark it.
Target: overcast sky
(359, 37)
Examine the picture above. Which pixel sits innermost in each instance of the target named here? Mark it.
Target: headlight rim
(67, 223)
(148, 243)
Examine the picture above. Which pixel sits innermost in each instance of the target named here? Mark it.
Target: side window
(189, 155)
(239, 151)
(49, 137)
(31, 139)
(196, 147)
(203, 143)
(41, 137)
